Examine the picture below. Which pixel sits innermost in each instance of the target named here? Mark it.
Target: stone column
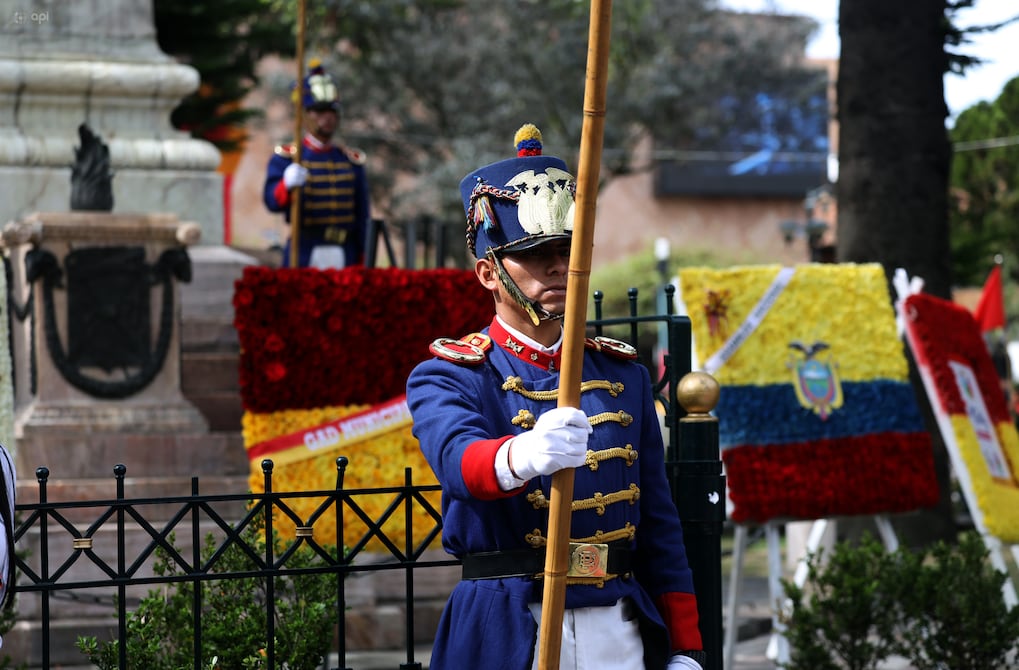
(68, 62)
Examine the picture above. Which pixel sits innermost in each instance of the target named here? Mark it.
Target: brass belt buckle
(335, 235)
(588, 560)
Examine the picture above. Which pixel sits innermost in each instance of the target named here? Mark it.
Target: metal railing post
(408, 519)
(341, 559)
(700, 498)
(270, 560)
(120, 471)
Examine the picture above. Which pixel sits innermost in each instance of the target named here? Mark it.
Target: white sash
(753, 320)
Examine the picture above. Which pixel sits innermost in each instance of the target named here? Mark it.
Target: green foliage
(939, 608)
(437, 87)
(957, 37)
(160, 632)
(841, 617)
(953, 603)
(984, 207)
(223, 40)
(984, 213)
(640, 271)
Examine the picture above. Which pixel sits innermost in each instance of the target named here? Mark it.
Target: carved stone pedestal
(96, 333)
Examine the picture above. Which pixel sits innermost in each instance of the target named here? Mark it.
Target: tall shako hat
(318, 91)
(520, 202)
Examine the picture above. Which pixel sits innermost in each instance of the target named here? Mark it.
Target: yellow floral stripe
(373, 463)
(516, 384)
(998, 500)
(259, 427)
(846, 306)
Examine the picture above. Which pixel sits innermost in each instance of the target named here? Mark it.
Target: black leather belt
(586, 560)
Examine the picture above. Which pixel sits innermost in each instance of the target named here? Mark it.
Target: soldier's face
(541, 272)
(323, 123)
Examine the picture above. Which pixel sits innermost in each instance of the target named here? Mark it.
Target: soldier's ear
(484, 269)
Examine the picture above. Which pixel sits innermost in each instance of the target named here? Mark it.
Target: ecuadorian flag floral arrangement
(817, 417)
(325, 356)
(970, 407)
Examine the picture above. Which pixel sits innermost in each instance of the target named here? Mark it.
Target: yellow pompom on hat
(318, 91)
(527, 140)
(519, 202)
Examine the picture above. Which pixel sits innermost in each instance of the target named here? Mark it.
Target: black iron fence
(104, 551)
(82, 547)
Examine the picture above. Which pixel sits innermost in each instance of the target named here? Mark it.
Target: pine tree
(223, 40)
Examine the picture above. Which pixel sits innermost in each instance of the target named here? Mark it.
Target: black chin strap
(532, 307)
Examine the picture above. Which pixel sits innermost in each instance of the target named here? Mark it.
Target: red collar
(539, 359)
(310, 142)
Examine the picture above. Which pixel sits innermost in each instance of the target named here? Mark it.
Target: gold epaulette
(469, 350)
(612, 347)
(284, 150)
(356, 156)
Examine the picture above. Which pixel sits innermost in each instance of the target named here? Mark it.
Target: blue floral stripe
(771, 414)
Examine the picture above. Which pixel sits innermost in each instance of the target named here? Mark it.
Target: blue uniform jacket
(463, 412)
(334, 201)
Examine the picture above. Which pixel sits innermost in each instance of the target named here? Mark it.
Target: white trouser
(595, 638)
(327, 256)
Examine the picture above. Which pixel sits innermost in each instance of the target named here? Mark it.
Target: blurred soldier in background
(334, 201)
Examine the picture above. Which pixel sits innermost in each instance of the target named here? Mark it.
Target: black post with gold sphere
(700, 497)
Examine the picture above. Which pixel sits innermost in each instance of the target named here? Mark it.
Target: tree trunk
(894, 159)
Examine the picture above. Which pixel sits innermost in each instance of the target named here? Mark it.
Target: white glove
(680, 662)
(557, 441)
(295, 175)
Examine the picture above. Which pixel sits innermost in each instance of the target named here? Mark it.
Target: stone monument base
(83, 372)
(79, 420)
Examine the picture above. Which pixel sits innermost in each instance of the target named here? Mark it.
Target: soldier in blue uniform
(486, 416)
(334, 187)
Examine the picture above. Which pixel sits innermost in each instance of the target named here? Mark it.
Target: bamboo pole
(295, 197)
(557, 557)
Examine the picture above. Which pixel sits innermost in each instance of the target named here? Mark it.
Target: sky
(982, 83)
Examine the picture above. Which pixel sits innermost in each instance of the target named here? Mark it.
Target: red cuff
(281, 194)
(478, 469)
(679, 610)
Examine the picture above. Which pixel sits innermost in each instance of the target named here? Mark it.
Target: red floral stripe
(817, 479)
(943, 332)
(317, 338)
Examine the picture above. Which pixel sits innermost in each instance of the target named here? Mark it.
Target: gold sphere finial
(698, 392)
